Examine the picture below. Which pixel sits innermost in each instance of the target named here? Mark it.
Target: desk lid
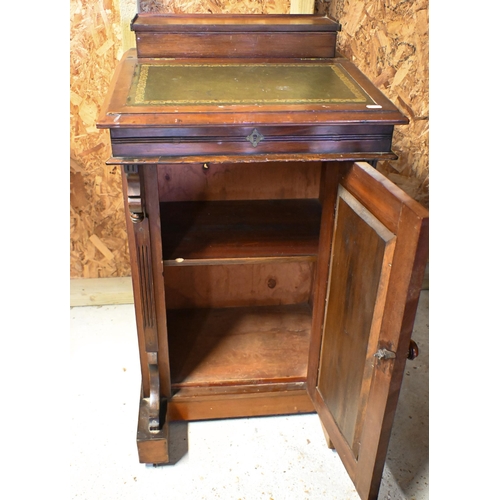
(166, 92)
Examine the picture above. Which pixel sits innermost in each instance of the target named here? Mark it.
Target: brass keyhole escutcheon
(255, 137)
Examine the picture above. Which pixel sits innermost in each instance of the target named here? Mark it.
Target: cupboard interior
(239, 245)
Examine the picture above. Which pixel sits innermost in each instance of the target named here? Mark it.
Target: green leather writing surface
(226, 84)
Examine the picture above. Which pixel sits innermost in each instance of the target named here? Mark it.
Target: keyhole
(271, 282)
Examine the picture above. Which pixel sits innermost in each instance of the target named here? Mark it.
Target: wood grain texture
(252, 283)
(224, 229)
(255, 181)
(244, 36)
(362, 251)
(235, 45)
(236, 143)
(152, 205)
(152, 448)
(396, 329)
(247, 159)
(100, 291)
(217, 23)
(136, 290)
(381, 197)
(331, 173)
(242, 405)
(301, 6)
(147, 281)
(235, 346)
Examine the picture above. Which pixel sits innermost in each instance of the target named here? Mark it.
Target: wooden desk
(275, 271)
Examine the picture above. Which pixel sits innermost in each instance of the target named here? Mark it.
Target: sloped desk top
(162, 92)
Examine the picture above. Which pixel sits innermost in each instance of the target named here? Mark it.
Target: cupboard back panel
(238, 285)
(257, 181)
(239, 229)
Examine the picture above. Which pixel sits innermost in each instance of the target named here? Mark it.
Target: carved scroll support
(134, 193)
(151, 438)
(154, 393)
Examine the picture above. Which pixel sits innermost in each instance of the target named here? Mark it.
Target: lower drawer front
(251, 140)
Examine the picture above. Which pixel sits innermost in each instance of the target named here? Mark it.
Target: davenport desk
(275, 270)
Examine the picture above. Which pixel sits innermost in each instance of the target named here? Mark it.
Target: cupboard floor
(282, 457)
(239, 345)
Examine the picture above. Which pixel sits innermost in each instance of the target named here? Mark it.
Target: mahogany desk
(275, 271)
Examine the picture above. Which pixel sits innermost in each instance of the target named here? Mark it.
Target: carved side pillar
(144, 236)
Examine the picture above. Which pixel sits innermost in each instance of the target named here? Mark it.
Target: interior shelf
(239, 345)
(239, 229)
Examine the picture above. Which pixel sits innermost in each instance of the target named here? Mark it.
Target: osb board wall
(389, 41)
(97, 231)
(216, 6)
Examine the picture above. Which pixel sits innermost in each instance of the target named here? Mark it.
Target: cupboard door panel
(378, 259)
(358, 275)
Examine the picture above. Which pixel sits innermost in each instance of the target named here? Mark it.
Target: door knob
(412, 350)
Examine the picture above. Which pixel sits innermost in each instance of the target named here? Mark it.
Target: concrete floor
(268, 458)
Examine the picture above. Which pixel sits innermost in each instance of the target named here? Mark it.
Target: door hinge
(384, 354)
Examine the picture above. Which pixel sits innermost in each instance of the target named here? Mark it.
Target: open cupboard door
(376, 266)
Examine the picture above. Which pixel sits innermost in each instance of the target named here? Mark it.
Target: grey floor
(268, 458)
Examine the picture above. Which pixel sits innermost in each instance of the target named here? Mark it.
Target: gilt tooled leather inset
(240, 84)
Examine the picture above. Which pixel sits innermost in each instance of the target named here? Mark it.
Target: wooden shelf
(239, 345)
(240, 229)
